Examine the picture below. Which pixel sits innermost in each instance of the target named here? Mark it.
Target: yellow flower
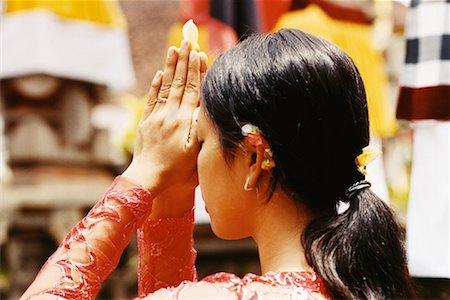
(368, 155)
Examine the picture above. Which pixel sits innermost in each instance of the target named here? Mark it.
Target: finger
(179, 79)
(192, 140)
(152, 94)
(203, 66)
(169, 72)
(192, 89)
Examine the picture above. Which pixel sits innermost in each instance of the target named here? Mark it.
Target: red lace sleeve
(166, 253)
(91, 251)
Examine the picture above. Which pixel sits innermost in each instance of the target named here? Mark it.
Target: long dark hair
(308, 99)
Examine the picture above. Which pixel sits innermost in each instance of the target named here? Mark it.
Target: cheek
(202, 172)
(224, 197)
(211, 179)
(206, 173)
(215, 177)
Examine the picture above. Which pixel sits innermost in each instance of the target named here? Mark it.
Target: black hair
(308, 99)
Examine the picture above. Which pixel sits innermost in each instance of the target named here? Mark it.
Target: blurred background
(74, 76)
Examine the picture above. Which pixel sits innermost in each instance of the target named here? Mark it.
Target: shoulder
(194, 290)
(230, 286)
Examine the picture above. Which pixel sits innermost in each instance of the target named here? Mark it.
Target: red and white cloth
(425, 99)
(425, 84)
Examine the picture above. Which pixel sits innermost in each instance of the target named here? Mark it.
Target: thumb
(192, 141)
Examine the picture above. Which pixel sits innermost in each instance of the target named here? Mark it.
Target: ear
(255, 170)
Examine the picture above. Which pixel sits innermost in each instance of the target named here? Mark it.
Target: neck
(280, 226)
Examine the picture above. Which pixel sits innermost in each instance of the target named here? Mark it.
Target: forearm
(91, 251)
(166, 246)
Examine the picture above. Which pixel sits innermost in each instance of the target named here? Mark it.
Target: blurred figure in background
(425, 101)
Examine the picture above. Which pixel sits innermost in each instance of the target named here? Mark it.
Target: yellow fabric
(355, 40)
(175, 37)
(103, 12)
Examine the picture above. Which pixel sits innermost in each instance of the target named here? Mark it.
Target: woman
(281, 121)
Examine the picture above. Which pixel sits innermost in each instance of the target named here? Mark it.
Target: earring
(246, 188)
(267, 162)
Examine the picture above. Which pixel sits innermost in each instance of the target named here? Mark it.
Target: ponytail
(359, 254)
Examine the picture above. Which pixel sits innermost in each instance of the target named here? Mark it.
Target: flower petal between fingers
(190, 34)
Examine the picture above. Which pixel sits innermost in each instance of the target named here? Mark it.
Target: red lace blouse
(93, 248)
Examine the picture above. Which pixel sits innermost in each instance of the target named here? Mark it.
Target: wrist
(143, 178)
(173, 204)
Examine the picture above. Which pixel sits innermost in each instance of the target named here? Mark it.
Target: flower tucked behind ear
(254, 136)
(368, 155)
(250, 129)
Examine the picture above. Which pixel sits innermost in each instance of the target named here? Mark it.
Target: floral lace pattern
(91, 251)
(85, 260)
(281, 285)
(166, 253)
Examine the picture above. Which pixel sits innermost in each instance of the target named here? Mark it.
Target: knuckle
(178, 82)
(193, 65)
(183, 55)
(150, 102)
(165, 88)
(191, 88)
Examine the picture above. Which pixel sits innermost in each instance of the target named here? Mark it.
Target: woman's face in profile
(231, 209)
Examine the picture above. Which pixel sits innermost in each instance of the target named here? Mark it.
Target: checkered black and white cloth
(425, 81)
(425, 99)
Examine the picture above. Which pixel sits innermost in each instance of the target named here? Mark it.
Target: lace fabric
(91, 251)
(166, 268)
(166, 253)
(281, 285)
(85, 257)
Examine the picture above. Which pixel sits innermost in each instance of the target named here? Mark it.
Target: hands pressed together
(164, 162)
(166, 147)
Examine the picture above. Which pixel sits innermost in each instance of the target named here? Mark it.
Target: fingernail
(193, 54)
